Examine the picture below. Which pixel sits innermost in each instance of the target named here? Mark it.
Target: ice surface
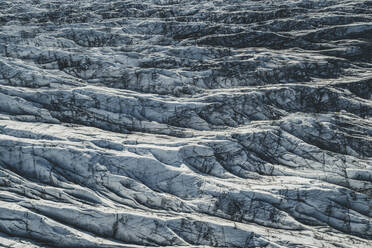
(185, 123)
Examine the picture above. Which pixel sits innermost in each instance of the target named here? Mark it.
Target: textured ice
(223, 123)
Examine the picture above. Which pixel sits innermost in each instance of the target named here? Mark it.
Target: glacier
(175, 123)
